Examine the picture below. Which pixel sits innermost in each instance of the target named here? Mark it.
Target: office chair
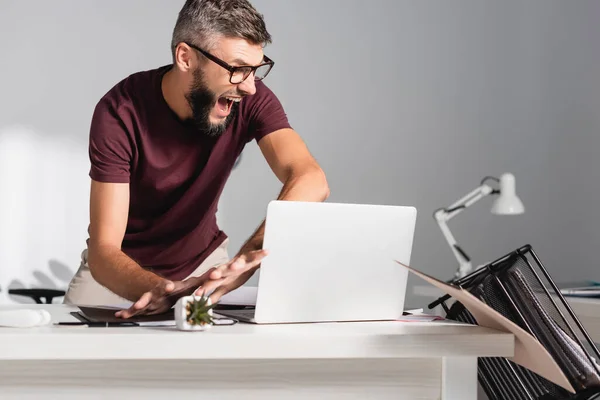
(37, 294)
(519, 287)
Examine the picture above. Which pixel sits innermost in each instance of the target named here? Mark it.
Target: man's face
(213, 99)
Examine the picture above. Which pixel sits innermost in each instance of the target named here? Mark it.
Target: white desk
(368, 360)
(588, 313)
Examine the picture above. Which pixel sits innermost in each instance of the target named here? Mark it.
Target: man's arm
(110, 267)
(302, 177)
(303, 180)
(109, 207)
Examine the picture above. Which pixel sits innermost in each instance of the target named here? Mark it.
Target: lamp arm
(442, 216)
(464, 262)
(466, 201)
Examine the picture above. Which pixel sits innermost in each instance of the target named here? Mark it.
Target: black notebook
(107, 314)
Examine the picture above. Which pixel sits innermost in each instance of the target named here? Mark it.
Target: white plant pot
(181, 315)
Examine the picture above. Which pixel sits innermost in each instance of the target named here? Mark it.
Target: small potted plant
(194, 313)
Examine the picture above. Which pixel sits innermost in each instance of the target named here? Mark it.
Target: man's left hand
(233, 274)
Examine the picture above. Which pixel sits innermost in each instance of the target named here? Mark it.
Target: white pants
(84, 290)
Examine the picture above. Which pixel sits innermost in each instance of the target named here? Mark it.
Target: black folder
(105, 314)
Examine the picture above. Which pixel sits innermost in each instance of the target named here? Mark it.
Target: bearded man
(162, 145)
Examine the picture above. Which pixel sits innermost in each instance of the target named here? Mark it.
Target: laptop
(332, 262)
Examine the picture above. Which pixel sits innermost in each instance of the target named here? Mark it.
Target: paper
(216, 321)
(529, 352)
(157, 323)
(224, 321)
(242, 296)
(420, 318)
(417, 315)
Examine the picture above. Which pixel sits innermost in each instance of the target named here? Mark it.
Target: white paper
(242, 296)
(216, 321)
(157, 323)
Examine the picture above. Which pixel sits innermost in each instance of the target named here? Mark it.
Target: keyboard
(240, 313)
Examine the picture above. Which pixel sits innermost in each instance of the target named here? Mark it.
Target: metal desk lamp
(507, 203)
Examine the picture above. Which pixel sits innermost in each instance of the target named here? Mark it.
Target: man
(162, 145)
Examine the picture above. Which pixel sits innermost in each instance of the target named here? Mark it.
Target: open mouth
(225, 103)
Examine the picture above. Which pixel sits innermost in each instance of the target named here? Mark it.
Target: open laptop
(332, 262)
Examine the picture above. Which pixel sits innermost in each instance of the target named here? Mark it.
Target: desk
(374, 360)
(588, 313)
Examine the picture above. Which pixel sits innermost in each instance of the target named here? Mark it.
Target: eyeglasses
(239, 74)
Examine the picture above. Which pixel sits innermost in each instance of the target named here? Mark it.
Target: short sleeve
(267, 114)
(110, 149)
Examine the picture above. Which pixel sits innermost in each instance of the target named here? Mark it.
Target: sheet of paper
(218, 321)
(242, 296)
(420, 318)
(224, 321)
(529, 352)
(157, 323)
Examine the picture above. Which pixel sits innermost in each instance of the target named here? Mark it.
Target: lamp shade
(507, 202)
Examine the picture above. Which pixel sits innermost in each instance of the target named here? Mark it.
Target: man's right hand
(161, 298)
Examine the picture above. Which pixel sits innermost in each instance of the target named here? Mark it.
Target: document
(242, 296)
(529, 352)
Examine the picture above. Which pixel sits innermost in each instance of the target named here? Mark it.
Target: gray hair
(202, 21)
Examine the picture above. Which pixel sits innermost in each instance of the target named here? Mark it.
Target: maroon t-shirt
(175, 173)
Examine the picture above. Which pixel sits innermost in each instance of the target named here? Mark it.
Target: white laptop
(332, 262)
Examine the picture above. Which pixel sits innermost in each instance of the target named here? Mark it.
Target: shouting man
(162, 145)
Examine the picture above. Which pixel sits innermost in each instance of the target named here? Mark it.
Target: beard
(202, 100)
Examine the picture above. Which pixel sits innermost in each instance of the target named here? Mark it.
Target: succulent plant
(197, 311)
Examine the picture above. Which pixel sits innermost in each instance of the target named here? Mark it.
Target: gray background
(401, 102)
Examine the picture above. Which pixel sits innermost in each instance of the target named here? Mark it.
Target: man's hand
(232, 275)
(222, 278)
(163, 296)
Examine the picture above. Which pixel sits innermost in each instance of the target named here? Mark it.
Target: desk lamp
(507, 203)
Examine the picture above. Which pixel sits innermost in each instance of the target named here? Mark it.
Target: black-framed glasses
(239, 74)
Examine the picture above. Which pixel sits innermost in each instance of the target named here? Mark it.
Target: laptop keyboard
(247, 313)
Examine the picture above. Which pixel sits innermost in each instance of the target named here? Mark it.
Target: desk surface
(246, 341)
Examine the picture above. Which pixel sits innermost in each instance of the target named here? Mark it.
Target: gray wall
(401, 102)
